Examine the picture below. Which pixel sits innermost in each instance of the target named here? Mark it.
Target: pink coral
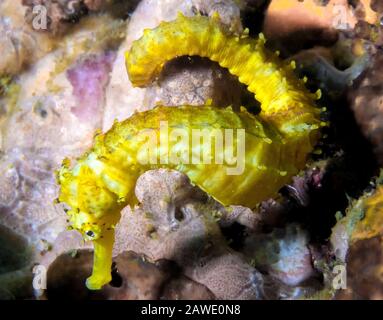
(89, 79)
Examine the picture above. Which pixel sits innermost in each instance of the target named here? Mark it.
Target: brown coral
(59, 13)
(136, 279)
(364, 270)
(366, 101)
(357, 240)
(299, 24)
(20, 44)
(175, 222)
(284, 254)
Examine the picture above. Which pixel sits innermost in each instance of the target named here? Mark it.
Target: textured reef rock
(305, 22)
(20, 44)
(366, 101)
(319, 64)
(284, 254)
(369, 24)
(364, 270)
(15, 276)
(141, 279)
(357, 241)
(59, 13)
(189, 81)
(325, 38)
(176, 222)
(363, 220)
(311, 23)
(137, 279)
(23, 44)
(62, 14)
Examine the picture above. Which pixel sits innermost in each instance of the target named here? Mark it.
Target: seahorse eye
(90, 233)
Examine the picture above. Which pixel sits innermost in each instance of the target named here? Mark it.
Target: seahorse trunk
(267, 149)
(285, 102)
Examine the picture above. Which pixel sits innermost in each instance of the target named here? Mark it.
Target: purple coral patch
(89, 78)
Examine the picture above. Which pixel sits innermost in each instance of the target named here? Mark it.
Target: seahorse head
(93, 205)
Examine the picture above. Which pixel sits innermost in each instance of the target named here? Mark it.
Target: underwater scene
(191, 150)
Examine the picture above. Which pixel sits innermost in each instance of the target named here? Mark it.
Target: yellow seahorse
(276, 142)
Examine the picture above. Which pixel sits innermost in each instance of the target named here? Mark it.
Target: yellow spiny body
(276, 142)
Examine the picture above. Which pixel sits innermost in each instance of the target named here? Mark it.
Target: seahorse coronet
(275, 142)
